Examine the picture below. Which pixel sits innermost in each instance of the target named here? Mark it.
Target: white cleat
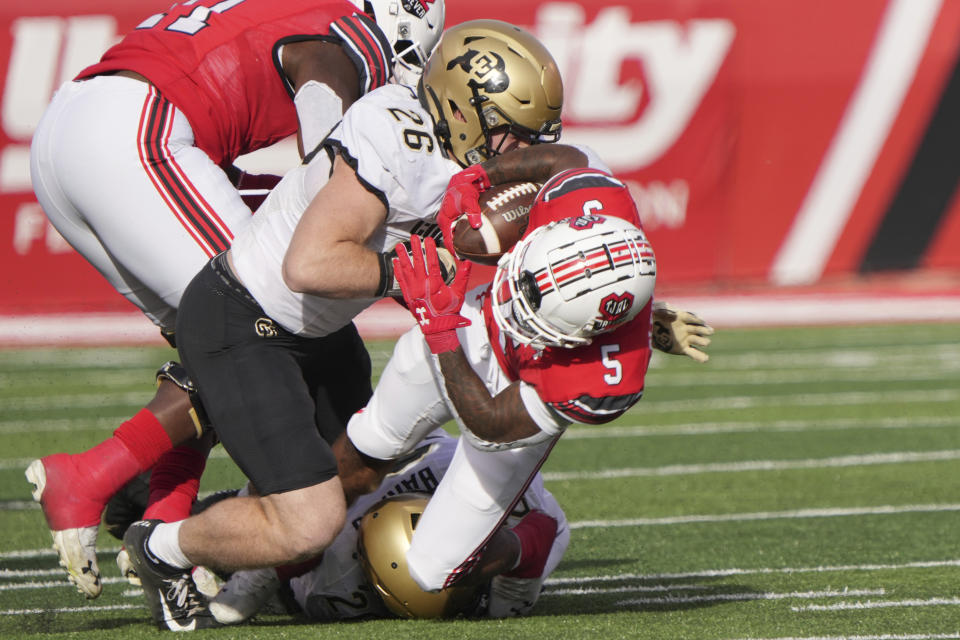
(207, 581)
(76, 547)
(127, 570)
(512, 597)
(243, 595)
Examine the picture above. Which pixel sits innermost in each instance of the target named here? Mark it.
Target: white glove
(681, 333)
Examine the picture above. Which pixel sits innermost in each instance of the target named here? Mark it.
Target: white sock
(164, 543)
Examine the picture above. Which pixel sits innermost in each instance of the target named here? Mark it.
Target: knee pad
(175, 373)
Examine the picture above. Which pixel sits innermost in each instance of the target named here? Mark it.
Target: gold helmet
(488, 77)
(384, 537)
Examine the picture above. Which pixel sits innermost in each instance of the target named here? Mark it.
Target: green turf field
(802, 484)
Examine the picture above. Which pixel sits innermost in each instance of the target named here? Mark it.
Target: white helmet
(413, 27)
(573, 279)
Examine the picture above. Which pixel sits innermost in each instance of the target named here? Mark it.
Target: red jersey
(219, 63)
(594, 383)
(598, 382)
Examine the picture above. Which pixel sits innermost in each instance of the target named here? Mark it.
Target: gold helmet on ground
(384, 537)
(488, 77)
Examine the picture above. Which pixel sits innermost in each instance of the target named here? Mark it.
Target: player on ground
(265, 329)
(561, 336)
(346, 585)
(133, 164)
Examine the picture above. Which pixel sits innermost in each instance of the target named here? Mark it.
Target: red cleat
(72, 517)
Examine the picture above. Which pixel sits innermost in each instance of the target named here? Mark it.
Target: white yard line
(85, 609)
(826, 398)
(387, 320)
(54, 584)
(884, 636)
(880, 604)
(793, 514)
(895, 457)
(623, 429)
(740, 571)
(577, 432)
(749, 596)
(647, 406)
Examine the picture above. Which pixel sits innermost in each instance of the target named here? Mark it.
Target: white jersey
(337, 588)
(388, 138)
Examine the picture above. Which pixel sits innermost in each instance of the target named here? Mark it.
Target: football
(504, 210)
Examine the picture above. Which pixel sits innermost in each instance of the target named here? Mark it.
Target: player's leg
(119, 212)
(406, 405)
(472, 502)
(541, 531)
(253, 389)
(254, 393)
(341, 380)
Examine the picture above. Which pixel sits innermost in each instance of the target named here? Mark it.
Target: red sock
(174, 484)
(135, 447)
(536, 532)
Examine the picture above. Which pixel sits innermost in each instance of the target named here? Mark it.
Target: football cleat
(126, 567)
(73, 519)
(512, 597)
(244, 594)
(174, 601)
(208, 583)
(514, 593)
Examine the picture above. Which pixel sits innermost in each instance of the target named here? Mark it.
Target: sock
(536, 533)
(145, 438)
(133, 448)
(164, 543)
(174, 484)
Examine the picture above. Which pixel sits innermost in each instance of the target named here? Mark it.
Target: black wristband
(386, 272)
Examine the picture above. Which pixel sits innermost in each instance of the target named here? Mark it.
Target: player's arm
(501, 418)
(325, 83)
(327, 255)
(536, 163)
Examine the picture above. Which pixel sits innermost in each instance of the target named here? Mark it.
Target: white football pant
(115, 168)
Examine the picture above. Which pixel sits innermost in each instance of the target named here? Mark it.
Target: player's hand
(434, 304)
(680, 332)
(462, 197)
(448, 268)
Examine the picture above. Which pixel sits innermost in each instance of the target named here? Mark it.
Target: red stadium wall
(784, 142)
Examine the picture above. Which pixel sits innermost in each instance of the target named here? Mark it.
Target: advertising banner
(783, 143)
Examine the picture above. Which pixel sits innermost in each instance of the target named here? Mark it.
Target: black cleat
(175, 603)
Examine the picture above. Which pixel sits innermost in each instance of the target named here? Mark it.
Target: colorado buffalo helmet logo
(487, 70)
